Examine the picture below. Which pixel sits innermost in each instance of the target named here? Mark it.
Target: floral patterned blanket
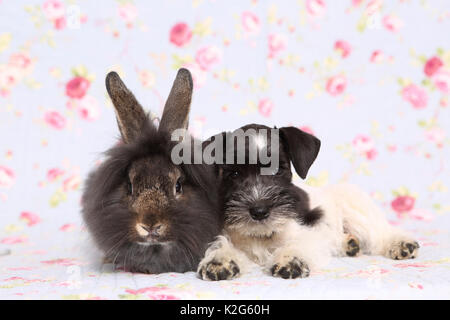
(58, 263)
(370, 78)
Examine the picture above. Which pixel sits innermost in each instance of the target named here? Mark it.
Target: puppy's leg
(351, 245)
(289, 265)
(302, 252)
(363, 219)
(222, 261)
(400, 246)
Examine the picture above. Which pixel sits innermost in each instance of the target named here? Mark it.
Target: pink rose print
(77, 87)
(250, 22)
(435, 135)
(343, 47)
(432, 65)
(416, 286)
(53, 9)
(356, 3)
(14, 240)
(128, 12)
(60, 23)
(62, 262)
(21, 61)
(207, 57)
(30, 218)
(377, 56)
(415, 95)
(365, 146)
(277, 43)
(67, 227)
(362, 143)
(392, 23)
(71, 183)
(19, 65)
(265, 107)
(55, 12)
(403, 204)
(441, 80)
(315, 8)
(371, 154)
(88, 108)
(336, 85)
(198, 74)
(180, 34)
(163, 297)
(144, 290)
(7, 177)
(9, 77)
(147, 78)
(373, 6)
(421, 214)
(411, 265)
(55, 120)
(54, 174)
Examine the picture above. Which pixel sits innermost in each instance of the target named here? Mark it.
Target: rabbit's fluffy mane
(195, 220)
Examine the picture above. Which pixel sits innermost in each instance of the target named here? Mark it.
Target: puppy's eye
(178, 187)
(234, 174)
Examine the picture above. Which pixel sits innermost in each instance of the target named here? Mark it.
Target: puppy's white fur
(347, 210)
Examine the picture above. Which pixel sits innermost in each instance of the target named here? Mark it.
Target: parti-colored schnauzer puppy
(292, 230)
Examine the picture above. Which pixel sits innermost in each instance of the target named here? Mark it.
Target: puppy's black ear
(302, 148)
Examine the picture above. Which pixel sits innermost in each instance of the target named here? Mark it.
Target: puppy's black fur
(250, 198)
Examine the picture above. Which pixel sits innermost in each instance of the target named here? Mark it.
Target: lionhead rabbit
(146, 213)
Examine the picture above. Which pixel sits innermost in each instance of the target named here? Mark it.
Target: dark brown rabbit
(146, 213)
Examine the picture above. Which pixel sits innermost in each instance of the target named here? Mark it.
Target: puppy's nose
(259, 213)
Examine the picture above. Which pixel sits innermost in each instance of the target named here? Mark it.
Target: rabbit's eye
(178, 188)
(234, 174)
(129, 187)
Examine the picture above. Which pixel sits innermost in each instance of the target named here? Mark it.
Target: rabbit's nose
(146, 231)
(155, 231)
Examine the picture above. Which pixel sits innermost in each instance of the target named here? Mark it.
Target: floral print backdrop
(370, 78)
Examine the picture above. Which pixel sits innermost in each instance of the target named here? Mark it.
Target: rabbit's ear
(176, 110)
(129, 112)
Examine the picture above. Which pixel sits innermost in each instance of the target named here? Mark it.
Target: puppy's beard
(237, 216)
(242, 223)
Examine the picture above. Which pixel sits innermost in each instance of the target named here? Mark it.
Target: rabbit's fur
(145, 213)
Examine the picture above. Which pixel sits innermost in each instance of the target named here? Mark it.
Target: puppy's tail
(312, 217)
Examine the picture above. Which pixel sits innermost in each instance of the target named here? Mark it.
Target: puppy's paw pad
(404, 250)
(352, 247)
(215, 270)
(295, 268)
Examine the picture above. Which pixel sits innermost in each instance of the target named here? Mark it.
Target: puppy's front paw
(404, 250)
(293, 268)
(216, 269)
